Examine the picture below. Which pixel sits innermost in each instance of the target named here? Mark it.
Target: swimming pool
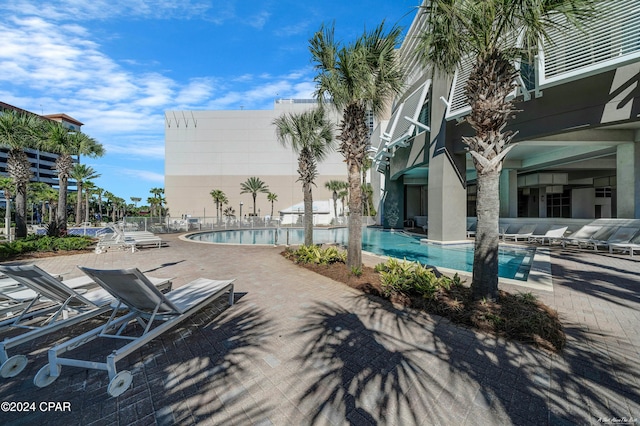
(515, 262)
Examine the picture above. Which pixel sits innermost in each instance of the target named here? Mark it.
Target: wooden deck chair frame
(146, 306)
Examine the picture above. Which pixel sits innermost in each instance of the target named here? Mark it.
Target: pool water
(514, 262)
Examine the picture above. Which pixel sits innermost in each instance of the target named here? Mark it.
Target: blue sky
(117, 65)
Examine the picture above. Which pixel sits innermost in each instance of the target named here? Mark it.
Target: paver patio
(298, 348)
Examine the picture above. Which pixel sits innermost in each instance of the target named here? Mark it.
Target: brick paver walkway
(298, 348)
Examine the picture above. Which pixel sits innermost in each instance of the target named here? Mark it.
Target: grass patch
(518, 317)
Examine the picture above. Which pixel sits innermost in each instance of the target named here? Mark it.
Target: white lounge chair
(64, 307)
(632, 246)
(553, 234)
(622, 235)
(581, 235)
(522, 233)
(154, 311)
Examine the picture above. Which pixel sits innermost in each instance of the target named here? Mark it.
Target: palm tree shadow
(360, 372)
(208, 358)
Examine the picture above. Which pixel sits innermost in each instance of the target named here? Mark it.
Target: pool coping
(539, 277)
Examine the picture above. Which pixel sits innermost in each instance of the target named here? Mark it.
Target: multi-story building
(207, 150)
(42, 163)
(578, 141)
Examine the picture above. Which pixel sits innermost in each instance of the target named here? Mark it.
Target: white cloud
(144, 175)
(106, 9)
(197, 91)
(258, 20)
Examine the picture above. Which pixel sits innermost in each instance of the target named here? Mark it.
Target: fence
(185, 224)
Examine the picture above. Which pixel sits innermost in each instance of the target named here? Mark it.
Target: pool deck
(298, 348)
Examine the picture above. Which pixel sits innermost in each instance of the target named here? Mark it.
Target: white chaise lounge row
(612, 235)
(131, 297)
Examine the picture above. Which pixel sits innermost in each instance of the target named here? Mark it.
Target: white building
(207, 150)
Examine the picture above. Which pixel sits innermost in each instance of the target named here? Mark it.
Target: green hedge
(44, 243)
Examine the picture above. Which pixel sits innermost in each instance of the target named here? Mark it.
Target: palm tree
(7, 184)
(229, 212)
(46, 195)
(82, 173)
(36, 195)
(493, 33)
(66, 144)
(109, 197)
(272, 198)
(17, 132)
(253, 185)
(310, 135)
(343, 194)
(99, 191)
(158, 199)
(219, 198)
(89, 190)
(364, 75)
(335, 186)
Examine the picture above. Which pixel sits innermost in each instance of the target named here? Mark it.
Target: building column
(393, 204)
(447, 193)
(508, 193)
(628, 180)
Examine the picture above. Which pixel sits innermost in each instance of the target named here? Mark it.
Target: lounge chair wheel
(13, 366)
(98, 251)
(44, 378)
(120, 383)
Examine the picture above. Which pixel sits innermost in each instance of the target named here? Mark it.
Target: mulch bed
(512, 317)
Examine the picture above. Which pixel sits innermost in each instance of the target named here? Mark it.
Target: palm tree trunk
(335, 206)
(61, 216)
(308, 214)
(79, 204)
(354, 248)
(86, 209)
(254, 203)
(7, 216)
(21, 210)
(485, 260)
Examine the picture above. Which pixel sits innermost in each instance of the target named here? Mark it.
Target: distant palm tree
(81, 173)
(359, 77)
(310, 135)
(229, 213)
(66, 143)
(335, 186)
(252, 186)
(17, 132)
(109, 197)
(343, 194)
(6, 185)
(272, 198)
(89, 190)
(219, 198)
(158, 199)
(493, 33)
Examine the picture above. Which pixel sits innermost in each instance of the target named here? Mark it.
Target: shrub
(44, 243)
(318, 255)
(412, 278)
(356, 270)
